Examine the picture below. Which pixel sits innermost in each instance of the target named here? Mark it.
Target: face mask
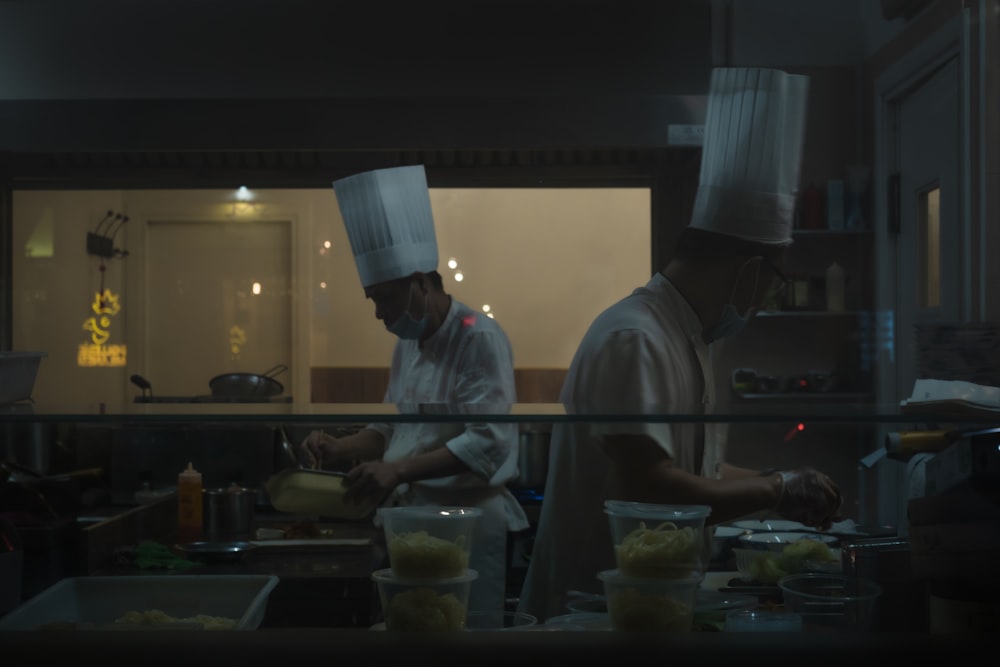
(405, 326)
(731, 322)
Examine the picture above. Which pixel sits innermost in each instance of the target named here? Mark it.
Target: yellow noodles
(422, 556)
(422, 609)
(158, 617)
(794, 557)
(664, 551)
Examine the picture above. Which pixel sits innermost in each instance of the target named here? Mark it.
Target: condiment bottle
(835, 288)
(190, 518)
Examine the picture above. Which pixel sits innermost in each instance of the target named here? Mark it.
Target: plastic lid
(652, 510)
(762, 620)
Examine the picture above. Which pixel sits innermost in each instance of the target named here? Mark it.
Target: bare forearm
(645, 474)
(365, 445)
(429, 465)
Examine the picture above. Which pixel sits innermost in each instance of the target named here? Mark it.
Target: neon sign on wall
(97, 352)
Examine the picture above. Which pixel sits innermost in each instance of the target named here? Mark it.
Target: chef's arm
(729, 471)
(645, 472)
(429, 465)
(376, 479)
(364, 445)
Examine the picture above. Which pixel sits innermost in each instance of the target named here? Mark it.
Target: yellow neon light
(106, 356)
(98, 353)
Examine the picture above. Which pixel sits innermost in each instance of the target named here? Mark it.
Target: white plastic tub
(18, 371)
(95, 603)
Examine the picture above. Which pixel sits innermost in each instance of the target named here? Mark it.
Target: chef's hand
(370, 481)
(810, 497)
(318, 446)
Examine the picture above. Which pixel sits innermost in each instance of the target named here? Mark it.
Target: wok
(248, 384)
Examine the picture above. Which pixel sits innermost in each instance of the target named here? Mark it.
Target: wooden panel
(367, 385)
(348, 385)
(538, 385)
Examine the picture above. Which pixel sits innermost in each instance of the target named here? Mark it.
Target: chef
(449, 358)
(650, 353)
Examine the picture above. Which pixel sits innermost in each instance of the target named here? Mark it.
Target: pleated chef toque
(387, 214)
(754, 129)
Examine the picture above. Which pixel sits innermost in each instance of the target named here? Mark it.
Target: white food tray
(94, 603)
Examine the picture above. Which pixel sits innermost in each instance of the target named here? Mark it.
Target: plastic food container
(831, 601)
(498, 620)
(658, 540)
(638, 604)
(776, 542)
(424, 605)
(315, 492)
(427, 542)
(762, 620)
(206, 602)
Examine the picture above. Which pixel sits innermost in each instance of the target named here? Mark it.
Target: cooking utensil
(248, 384)
(314, 492)
(229, 513)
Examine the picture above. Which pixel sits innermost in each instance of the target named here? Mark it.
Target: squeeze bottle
(190, 519)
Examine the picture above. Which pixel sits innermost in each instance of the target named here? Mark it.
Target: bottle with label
(190, 517)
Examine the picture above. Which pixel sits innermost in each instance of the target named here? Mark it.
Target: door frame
(137, 283)
(953, 39)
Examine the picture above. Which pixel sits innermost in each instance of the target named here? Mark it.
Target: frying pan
(248, 384)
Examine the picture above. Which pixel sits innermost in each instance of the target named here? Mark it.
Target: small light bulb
(452, 263)
(459, 277)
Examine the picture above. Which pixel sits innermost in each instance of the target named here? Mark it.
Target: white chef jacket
(643, 355)
(465, 367)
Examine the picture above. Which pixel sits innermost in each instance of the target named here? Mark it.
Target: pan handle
(275, 370)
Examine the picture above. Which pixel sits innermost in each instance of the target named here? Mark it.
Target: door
(218, 300)
(928, 267)
(920, 275)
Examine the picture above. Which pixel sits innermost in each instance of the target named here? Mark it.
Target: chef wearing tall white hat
(449, 357)
(650, 354)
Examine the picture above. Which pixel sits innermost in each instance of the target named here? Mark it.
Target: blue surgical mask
(405, 326)
(730, 324)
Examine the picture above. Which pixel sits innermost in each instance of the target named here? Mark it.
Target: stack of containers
(426, 586)
(661, 553)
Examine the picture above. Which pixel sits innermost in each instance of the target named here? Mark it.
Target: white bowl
(723, 541)
(772, 526)
(776, 542)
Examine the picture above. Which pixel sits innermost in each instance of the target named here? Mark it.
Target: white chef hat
(387, 214)
(750, 160)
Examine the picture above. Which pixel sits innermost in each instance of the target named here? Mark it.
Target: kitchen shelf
(811, 313)
(858, 397)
